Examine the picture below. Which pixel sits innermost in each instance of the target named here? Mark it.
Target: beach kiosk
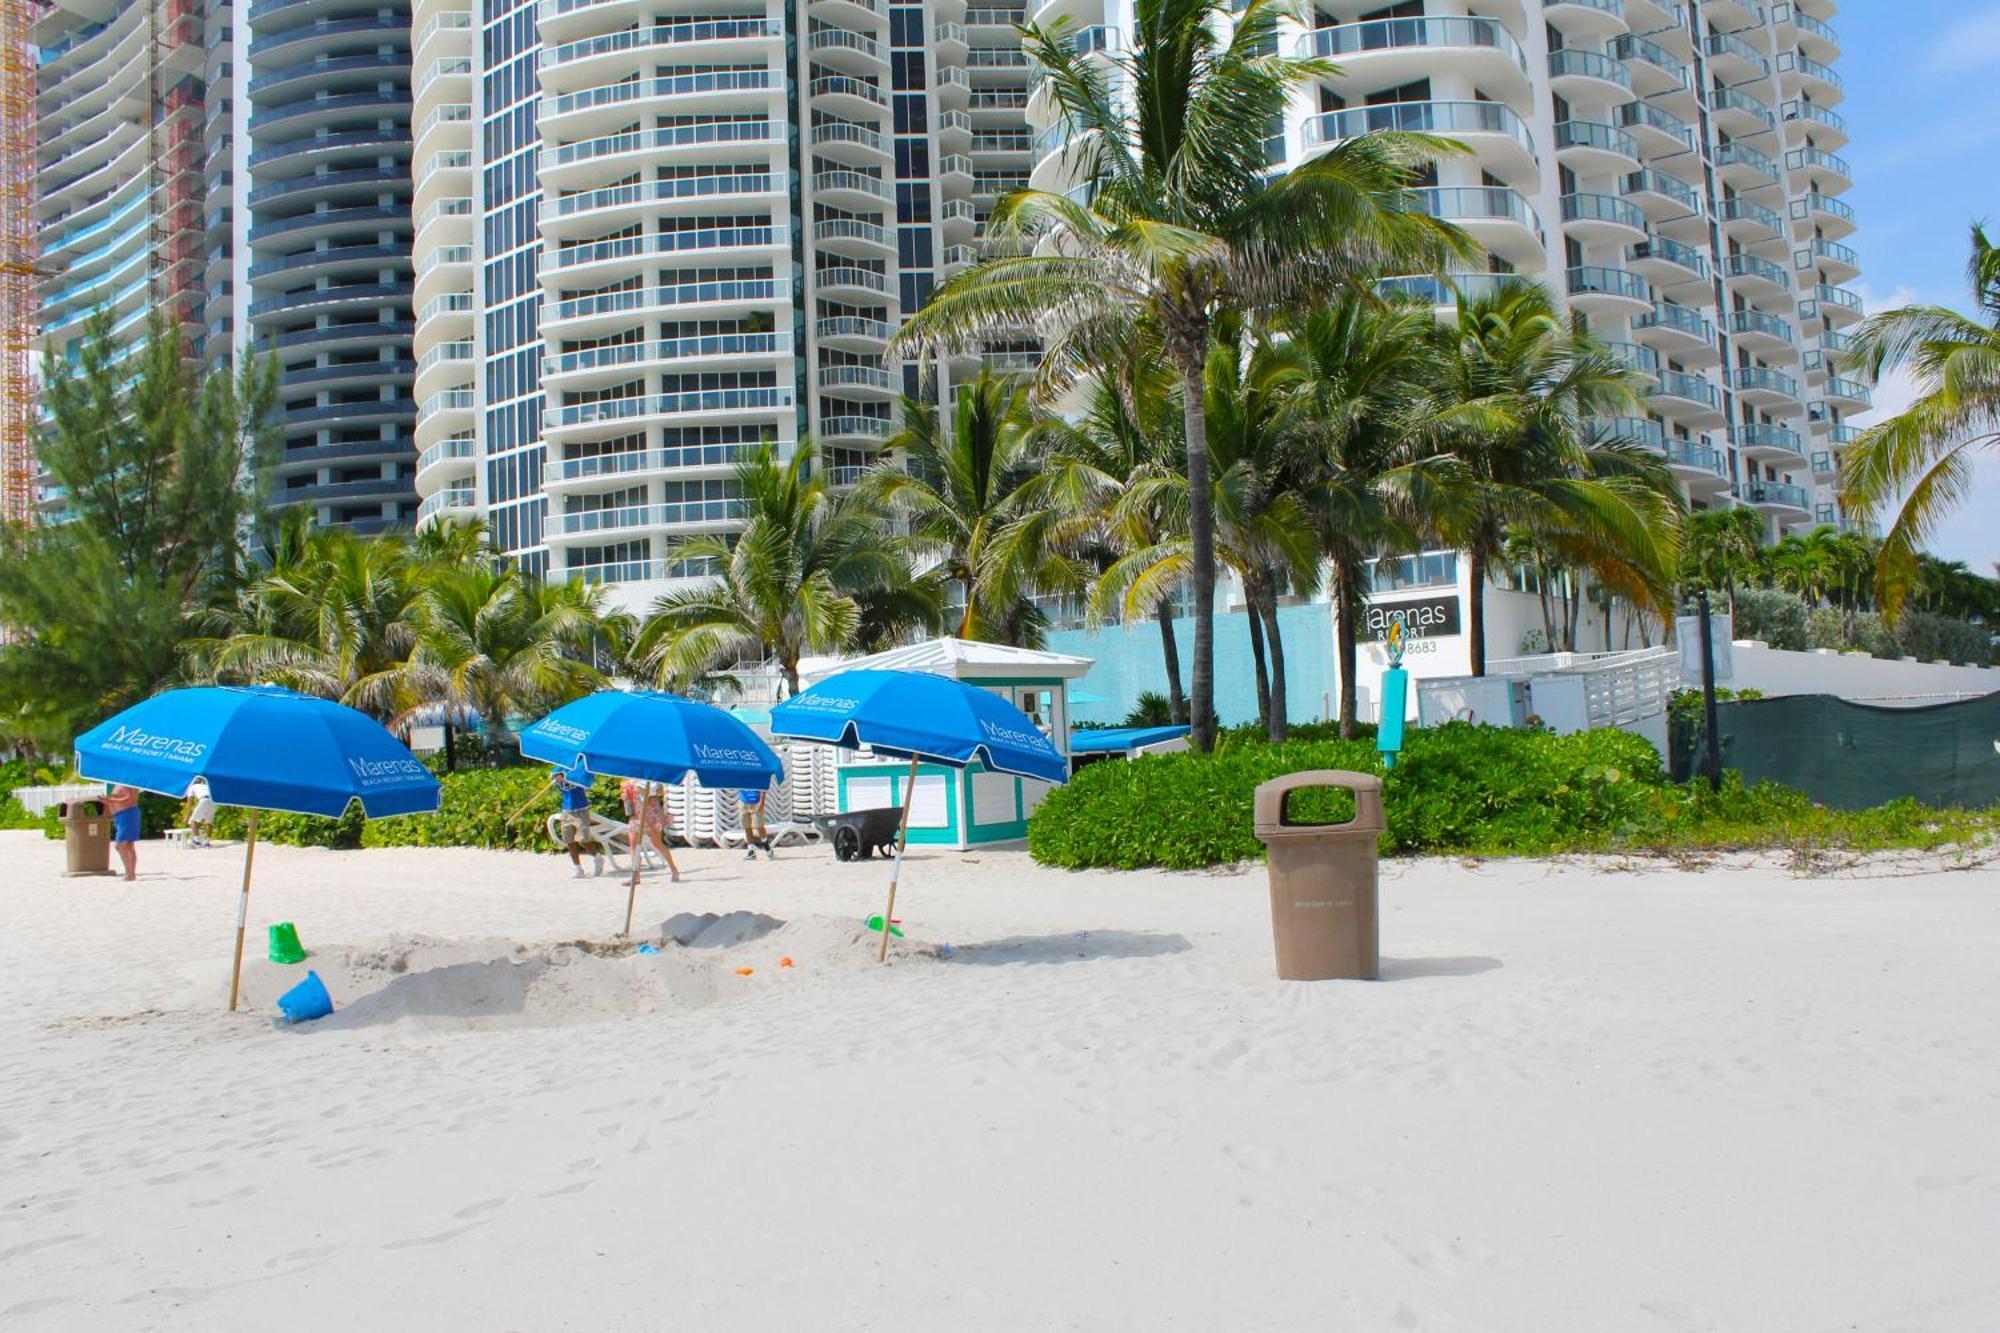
(969, 807)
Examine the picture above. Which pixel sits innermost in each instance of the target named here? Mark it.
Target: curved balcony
(1665, 262)
(1635, 357)
(839, 48)
(1761, 332)
(1754, 276)
(359, 184)
(445, 365)
(1686, 397)
(1587, 18)
(337, 337)
(852, 189)
(606, 109)
(1824, 214)
(1765, 443)
(1676, 330)
(1810, 77)
(854, 431)
(707, 404)
(1602, 218)
(304, 41)
(1735, 111)
(1697, 466)
(1594, 289)
(1656, 71)
(847, 282)
(593, 471)
(1762, 386)
(347, 259)
(1580, 75)
(634, 252)
(593, 61)
(1750, 221)
(686, 514)
(847, 96)
(1733, 60)
(1592, 148)
(604, 160)
(1491, 129)
(859, 382)
(331, 300)
(1838, 305)
(611, 312)
(312, 114)
(853, 333)
(570, 215)
(1665, 197)
(855, 238)
(620, 361)
(1388, 52)
(1744, 167)
(845, 141)
(454, 502)
(298, 156)
(1836, 262)
(1851, 395)
(1498, 218)
(1824, 169)
(1802, 119)
(449, 460)
(1442, 293)
(1782, 500)
(1658, 133)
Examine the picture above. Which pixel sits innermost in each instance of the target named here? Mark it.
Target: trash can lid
(1270, 803)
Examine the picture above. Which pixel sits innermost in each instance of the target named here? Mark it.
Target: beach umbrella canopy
(918, 716)
(652, 736)
(260, 747)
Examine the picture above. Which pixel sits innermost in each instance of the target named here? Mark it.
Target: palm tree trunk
(1475, 614)
(1201, 540)
(1346, 605)
(1275, 638)
(450, 748)
(1257, 660)
(1170, 654)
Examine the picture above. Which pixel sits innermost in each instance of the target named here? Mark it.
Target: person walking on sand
(574, 824)
(653, 824)
(755, 834)
(123, 803)
(200, 814)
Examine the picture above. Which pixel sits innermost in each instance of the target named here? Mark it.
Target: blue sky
(1919, 76)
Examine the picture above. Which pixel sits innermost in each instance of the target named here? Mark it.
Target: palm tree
(497, 645)
(333, 615)
(1179, 218)
(1720, 549)
(1115, 452)
(976, 501)
(788, 584)
(1512, 442)
(1925, 453)
(1348, 376)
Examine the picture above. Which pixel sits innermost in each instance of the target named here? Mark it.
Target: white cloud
(1969, 46)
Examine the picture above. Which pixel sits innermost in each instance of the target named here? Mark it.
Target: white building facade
(649, 240)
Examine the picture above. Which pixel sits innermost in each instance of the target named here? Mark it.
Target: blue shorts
(125, 825)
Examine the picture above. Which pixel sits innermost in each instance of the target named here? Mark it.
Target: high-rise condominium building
(1669, 168)
(561, 265)
(327, 203)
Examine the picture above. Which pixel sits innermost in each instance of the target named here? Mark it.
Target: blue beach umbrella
(652, 736)
(918, 716)
(260, 747)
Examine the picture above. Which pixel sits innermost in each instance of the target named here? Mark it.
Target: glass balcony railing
(1349, 39)
(1778, 493)
(1594, 134)
(1756, 321)
(1671, 251)
(1763, 435)
(1751, 266)
(1576, 62)
(1594, 280)
(1679, 318)
(1448, 118)
(1689, 388)
(1761, 379)
(1602, 208)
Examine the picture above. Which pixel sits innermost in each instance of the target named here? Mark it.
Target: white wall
(1857, 677)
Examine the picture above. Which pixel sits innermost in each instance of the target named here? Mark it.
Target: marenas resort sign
(1425, 618)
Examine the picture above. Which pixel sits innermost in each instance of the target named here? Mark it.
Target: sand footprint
(484, 1208)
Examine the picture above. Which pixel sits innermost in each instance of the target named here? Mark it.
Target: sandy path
(1585, 1100)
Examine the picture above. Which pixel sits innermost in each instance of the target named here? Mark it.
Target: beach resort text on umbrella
(651, 736)
(260, 747)
(918, 716)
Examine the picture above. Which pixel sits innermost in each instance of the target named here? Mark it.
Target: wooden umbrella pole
(242, 911)
(637, 847)
(896, 870)
(532, 799)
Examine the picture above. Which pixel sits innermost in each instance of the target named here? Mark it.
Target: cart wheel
(846, 844)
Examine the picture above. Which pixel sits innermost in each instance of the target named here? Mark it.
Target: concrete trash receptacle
(86, 837)
(1323, 879)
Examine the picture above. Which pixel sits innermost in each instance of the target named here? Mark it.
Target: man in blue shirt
(574, 822)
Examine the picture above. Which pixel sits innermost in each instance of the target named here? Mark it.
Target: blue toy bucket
(306, 1001)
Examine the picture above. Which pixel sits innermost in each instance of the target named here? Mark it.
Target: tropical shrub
(1770, 616)
(1939, 638)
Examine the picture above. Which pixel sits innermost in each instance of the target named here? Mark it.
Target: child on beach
(123, 803)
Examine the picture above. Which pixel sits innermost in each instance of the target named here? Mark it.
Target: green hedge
(1458, 788)
(475, 809)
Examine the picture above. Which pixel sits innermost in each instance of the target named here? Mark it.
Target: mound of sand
(696, 960)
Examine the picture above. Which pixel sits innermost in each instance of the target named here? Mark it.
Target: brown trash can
(1323, 880)
(86, 837)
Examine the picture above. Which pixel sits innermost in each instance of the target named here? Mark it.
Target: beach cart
(857, 835)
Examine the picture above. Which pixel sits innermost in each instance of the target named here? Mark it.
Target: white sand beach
(1720, 1101)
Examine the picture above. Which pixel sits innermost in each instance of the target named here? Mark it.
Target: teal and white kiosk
(969, 807)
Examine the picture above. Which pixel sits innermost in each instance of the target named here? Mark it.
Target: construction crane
(19, 273)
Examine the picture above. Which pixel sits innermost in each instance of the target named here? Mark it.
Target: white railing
(37, 800)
